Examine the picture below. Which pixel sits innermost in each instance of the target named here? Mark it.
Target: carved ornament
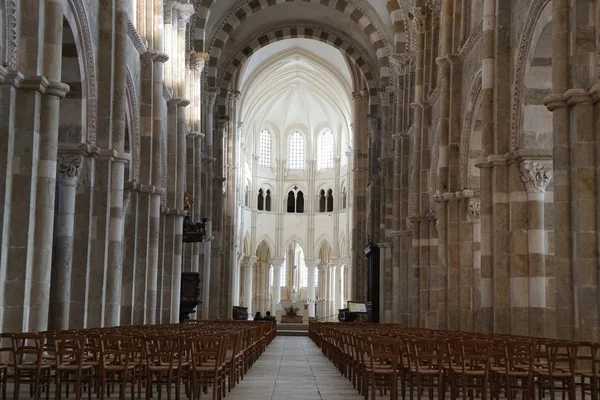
(68, 167)
(474, 208)
(536, 175)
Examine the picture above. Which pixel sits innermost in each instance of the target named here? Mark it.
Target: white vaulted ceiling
(296, 82)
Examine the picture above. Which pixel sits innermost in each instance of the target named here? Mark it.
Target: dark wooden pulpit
(190, 294)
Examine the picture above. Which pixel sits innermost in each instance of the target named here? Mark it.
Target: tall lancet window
(265, 149)
(268, 201)
(261, 200)
(283, 278)
(329, 200)
(296, 151)
(326, 150)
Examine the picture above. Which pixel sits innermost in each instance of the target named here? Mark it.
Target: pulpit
(190, 295)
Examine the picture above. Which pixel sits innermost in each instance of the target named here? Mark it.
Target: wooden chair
(558, 375)
(70, 364)
(6, 360)
(588, 368)
(382, 370)
(474, 368)
(30, 366)
(163, 363)
(427, 369)
(117, 365)
(207, 355)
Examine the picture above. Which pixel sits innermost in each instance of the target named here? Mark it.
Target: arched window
(268, 201)
(271, 276)
(326, 150)
(265, 149)
(322, 201)
(343, 198)
(296, 151)
(247, 197)
(300, 202)
(291, 202)
(261, 200)
(329, 200)
(316, 279)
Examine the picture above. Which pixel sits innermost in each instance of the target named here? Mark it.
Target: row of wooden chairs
(412, 361)
(185, 358)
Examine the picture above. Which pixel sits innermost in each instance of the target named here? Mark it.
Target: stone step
(285, 332)
(292, 327)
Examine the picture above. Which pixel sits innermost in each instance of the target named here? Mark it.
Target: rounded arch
(468, 124)
(324, 251)
(76, 15)
(264, 251)
(540, 10)
(398, 16)
(347, 46)
(361, 19)
(324, 240)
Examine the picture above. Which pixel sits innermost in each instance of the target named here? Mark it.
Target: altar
(301, 315)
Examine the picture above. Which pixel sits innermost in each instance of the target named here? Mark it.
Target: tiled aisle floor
(293, 368)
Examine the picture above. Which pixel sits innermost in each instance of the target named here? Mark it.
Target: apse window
(326, 150)
(265, 149)
(296, 151)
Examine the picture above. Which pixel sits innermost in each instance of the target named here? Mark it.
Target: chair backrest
(519, 355)
(28, 348)
(69, 349)
(160, 350)
(207, 351)
(383, 353)
(561, 356)
(476, 355)
(428, 353)
(117, 350)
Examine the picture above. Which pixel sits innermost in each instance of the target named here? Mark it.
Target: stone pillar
(339, 285)
(311, 264)
(68, 169)
(53, 90)
(488, 300)
(536, 176)
(277, 265)
(248, 266)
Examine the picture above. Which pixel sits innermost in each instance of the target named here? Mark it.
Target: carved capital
(198, 61)
(374, 123)
(419, 18)
(536, 175)
(474, 209)
(211, 95)
(185, 13)
(68, 168)
(358, 95)
(400, 63)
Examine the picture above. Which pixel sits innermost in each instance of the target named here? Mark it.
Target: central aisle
(293, 368)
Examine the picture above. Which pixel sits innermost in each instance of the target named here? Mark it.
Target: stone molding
(454, 196)
(135, 186)
(173, 212)
(139, 43)
(186, 10)
(44, 85)
(135, 122)
(536, 9)
(12, 33)
(467, 127)
(473, 39)
(536, 175)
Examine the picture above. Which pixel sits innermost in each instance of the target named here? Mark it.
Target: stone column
(248, 265)
(536, 176)
(339, 294)
(277, 265)
(68, 169)
(488, 301)
(311, 264)
(53, 90)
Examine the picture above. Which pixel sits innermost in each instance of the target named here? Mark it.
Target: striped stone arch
(399, 20)
(345, 45)
(249, 7)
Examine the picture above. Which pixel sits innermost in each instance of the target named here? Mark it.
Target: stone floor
(293, 368)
